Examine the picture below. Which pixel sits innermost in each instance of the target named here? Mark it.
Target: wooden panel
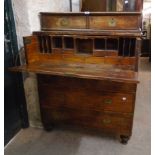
(86, 99)
(31, 49)
(78, 71)
(99, 101)
(98, 32)
(114, 22)
(62, 21)
(91, 119)
(86, 94)
(139, 5)
(91, 5)
(102, 21)
(138, 51)
(100, 53)
(70, 83)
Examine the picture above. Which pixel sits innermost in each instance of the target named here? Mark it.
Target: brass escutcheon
(64, 22)
(108, 101)
(112, 22)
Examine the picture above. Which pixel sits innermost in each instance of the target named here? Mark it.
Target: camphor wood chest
(87, 66)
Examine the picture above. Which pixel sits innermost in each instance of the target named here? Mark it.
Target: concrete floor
(34, 141)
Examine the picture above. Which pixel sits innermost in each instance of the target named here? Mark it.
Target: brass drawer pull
(112, 22)
(106, 121)
(108, 101)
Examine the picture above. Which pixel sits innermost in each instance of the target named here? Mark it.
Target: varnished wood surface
(91, 13)
(83, 94)
(129, 33)
(49, 54)
(102, 21)
(86, 66)
(89, 71)
(116, 123)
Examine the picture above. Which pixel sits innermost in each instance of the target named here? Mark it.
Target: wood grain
(87, 69)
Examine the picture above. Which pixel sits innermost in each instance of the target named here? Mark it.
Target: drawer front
(88, 118)
(113, 22)
(69, 83)
(62, 22)
(91, 21)
(99, 101)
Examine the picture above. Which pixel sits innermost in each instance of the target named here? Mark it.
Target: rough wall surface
(22, 23)
(26, 13)
(76, 5)
(44, 6)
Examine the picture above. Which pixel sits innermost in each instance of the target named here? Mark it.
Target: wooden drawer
(114, 22)
(69, 83)
(95, 21)
(99, 101)
(109, 121)
(49, 21)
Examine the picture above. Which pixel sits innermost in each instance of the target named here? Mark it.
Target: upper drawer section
(120, 22)
(87, 20)
(62, 21)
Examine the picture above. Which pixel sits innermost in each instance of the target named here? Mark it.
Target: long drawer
(70, 83)
(95, 100)
(109, 121)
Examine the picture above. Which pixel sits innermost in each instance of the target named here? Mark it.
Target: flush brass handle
(106, 121)
(108, 101)
(112, 22)
(64, 22)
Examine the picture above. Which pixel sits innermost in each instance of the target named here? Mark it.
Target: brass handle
(108, 101)
(112, 22)
(106, 121)
(64, 22)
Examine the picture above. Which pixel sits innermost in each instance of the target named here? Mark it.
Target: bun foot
(48, 128)
(124, 139)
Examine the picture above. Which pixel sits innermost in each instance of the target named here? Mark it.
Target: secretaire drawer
(77, 84)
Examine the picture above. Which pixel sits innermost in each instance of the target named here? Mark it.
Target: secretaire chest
(87, 67)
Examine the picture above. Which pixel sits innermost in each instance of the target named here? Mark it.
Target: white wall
(22, 23)
(44, 6)
(26, 13)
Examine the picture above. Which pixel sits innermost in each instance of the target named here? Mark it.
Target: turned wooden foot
(48, 128)
(124, 139)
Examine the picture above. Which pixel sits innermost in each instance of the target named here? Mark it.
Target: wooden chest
(86, 66)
